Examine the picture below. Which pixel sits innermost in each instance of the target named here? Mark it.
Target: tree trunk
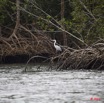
(62, 17)
(17, 19)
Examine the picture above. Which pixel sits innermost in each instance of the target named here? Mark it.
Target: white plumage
(58, 48)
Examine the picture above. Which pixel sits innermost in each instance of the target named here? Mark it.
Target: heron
(58, 48)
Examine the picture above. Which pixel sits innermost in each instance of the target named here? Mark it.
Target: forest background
(70, 22)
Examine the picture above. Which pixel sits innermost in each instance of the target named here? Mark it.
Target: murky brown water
(50, 87)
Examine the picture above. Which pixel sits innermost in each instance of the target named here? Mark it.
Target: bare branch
(31, 59)
(87, 9)
(17, 20)
(60, 28)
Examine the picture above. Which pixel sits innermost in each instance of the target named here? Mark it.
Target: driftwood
(26, 45)
(88, 58)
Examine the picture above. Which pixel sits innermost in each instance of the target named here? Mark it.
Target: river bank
(21, 50)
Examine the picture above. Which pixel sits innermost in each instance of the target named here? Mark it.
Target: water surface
(50, 86)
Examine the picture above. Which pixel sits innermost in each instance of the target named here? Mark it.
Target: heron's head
(54, 40)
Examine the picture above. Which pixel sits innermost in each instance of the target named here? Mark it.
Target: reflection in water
(50, 87)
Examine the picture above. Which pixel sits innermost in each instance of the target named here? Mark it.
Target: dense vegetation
(28, 26)
(72, 22)
(82, 18)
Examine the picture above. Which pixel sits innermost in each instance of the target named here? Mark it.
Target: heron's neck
(54, 43)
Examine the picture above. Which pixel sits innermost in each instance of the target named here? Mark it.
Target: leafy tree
(83, 18)
(88, 18)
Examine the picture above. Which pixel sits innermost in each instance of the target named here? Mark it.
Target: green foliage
(77, 19)
(2, 4)
(7, 8)
(84, 22)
